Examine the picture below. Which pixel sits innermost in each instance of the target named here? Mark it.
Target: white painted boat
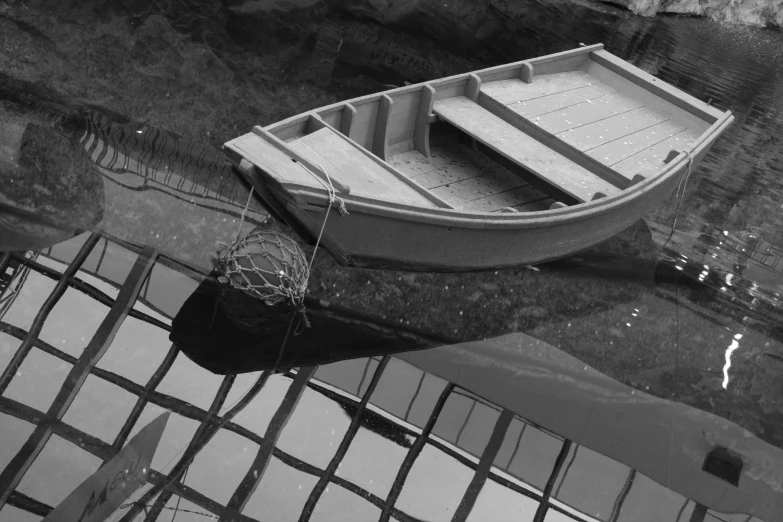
(511, 165)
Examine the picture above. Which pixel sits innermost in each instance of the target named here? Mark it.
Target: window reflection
(8, 347)
(100, 409)
(315, 446)
(38, 380)
(27, 301)
(15, 432)
(137, 351)
(73, 321)
(578, 488)
(55, 471)
(435, 486)
(340, 505)
(497, 503)
(141, 375)
(372, 462)
(281, 495)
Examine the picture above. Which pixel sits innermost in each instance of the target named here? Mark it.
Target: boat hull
(376, 238)
(421, 217)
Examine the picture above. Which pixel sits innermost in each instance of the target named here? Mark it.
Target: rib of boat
(511, 165)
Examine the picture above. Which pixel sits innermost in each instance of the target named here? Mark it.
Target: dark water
(593, 388)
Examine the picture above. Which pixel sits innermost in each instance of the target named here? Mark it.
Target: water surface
(629, 362)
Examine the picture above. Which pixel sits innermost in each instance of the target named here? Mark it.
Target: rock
(764, 13)
(49, 190)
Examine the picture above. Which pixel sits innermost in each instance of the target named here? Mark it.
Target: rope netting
(271, 269)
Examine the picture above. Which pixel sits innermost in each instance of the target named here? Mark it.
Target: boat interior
(546, 133)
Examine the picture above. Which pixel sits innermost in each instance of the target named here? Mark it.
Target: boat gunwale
(452, 217)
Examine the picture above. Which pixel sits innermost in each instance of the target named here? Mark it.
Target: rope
(681, 191)
(284, 273)
(244, 211)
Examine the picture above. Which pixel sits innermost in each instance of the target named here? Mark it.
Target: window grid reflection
(478, 459)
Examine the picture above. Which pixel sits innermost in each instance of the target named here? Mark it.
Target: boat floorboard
(468, 180)
(597, 113)
(521, 148)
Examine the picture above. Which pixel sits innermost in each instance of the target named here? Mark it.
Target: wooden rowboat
(510, 165)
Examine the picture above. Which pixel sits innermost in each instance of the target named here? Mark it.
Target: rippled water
(681, 328)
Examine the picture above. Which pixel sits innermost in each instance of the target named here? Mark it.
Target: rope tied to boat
(333, 198)
(272, 268)
(681, 191)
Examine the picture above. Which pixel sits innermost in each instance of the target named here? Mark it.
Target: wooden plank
(351, 162)
(421, 131)
(650, 160)
(363, 129)
(470, 189)
(515, 198)
(656, 86)
(561, 100)
(610, 129)
(473, 87)
(346, 120)
(527, 73)
(515, 89)
(522, 149)
(587, 112)
(282, 164)
(411, 163)
(545, 65)
(332, 116)
(621, 148)
(513, 70)
(536, 206)
(649, 99)
(403, 119)
(390, 171)
(380, 142)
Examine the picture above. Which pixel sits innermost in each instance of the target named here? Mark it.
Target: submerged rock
(49, 189)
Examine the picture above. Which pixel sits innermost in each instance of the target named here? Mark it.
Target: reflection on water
(101, 333)
(452, 433)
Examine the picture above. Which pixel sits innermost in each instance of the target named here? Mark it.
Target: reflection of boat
(567, 150)
(204, 332)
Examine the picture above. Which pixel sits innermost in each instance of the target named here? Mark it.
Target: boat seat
(521, 148)
(367, 175)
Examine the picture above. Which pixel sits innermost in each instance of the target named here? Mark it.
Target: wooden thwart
(522, 149)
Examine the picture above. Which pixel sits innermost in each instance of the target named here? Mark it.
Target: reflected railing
(140, 157)
(399, 428)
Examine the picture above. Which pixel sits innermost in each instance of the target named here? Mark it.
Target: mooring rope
(681, 190)
(332, 199)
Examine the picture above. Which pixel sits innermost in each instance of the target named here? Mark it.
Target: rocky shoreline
(760, 13)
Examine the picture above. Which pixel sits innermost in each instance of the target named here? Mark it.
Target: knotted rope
(284, 276)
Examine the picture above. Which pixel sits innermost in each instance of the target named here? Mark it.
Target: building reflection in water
(86, 362)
